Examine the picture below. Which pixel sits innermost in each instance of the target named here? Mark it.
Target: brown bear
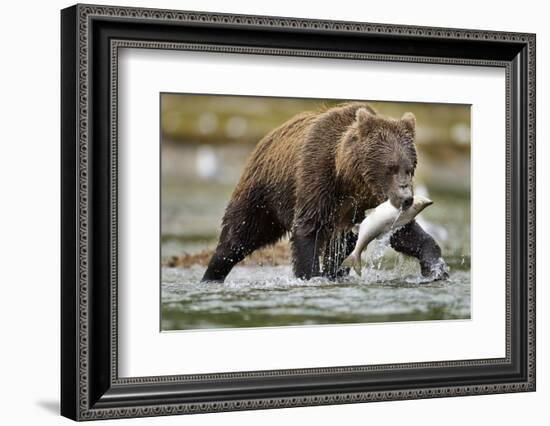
(313, 177)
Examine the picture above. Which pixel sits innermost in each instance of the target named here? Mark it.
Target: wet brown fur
(312, 177)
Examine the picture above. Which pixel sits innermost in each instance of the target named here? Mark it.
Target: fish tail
(353, 261)
(349, 261)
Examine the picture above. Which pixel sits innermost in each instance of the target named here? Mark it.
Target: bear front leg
(412, 240)
(305, 253)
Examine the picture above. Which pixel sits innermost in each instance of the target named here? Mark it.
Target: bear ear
(409, 120)
(363, 116)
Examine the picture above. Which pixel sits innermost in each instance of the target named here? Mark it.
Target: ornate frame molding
(82, 17)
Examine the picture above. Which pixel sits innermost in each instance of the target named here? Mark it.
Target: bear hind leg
(241, 235)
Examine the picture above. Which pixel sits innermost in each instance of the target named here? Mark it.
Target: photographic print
(291, 212)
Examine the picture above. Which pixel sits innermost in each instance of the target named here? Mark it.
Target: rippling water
(276, 298)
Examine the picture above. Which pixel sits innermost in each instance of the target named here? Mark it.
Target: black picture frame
(90, 386)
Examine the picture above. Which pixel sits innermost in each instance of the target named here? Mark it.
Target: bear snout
(407, 202)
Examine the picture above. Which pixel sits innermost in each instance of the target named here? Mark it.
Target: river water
(275, 298)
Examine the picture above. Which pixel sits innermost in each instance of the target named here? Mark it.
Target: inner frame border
(115, 47)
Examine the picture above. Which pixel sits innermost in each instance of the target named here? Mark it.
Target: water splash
(379, 247)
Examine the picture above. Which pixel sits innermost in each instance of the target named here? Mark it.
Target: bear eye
(393, 169)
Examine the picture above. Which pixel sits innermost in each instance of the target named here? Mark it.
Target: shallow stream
(275, 298)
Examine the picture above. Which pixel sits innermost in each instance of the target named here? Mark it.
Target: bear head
(376, 157)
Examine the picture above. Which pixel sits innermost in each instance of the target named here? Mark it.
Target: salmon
(380, 220)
